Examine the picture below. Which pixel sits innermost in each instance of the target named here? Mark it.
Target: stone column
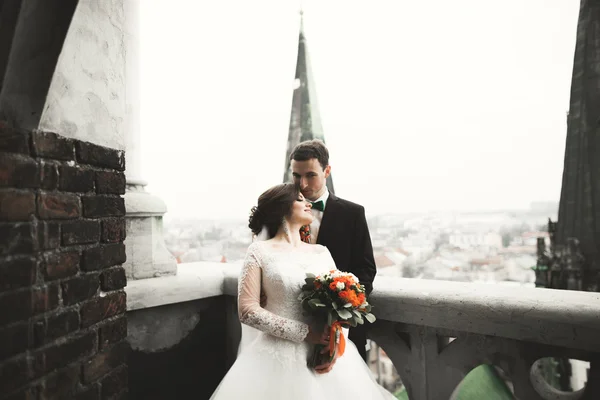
(147, 255)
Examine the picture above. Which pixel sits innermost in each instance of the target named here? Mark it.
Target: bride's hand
(327, 366)
(317, 337)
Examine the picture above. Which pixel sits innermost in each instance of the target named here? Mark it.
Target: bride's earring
(284, 224)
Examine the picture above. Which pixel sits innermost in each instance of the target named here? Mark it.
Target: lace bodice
(280, 275)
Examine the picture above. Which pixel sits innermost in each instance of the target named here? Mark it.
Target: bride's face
(301, 211)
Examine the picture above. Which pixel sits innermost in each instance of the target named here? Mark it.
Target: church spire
(305, 121)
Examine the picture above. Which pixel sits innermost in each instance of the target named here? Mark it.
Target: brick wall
(62, 303)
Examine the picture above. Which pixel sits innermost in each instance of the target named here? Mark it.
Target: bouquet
(335, 298)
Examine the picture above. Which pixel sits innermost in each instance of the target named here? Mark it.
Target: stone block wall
(62, 303)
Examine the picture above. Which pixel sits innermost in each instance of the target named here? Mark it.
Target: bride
(274, 364)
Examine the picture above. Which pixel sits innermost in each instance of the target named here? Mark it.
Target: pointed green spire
(305, 121)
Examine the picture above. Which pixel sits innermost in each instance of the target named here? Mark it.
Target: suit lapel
(331, 209)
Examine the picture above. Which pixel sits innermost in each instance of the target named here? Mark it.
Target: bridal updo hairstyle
(273, 205)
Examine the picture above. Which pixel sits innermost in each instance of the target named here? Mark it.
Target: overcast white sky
(426, 105)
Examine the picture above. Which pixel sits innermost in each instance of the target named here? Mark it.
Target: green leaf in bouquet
(352, 321)
(358, 316)
(370, 317)
(310, 282)
(348, 305)
(315, 303)
(344, 314)
(334, 305)
(310, 275)
(331, 317)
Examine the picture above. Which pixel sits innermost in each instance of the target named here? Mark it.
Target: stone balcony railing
(435, 332)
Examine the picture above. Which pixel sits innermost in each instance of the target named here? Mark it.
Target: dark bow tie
(318, 205)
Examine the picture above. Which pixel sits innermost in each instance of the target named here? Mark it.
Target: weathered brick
(48, 176)
(52, 327)
(44, 298)
(14, 140)
(48, 235)
(26, 393)
(14, 339)
(15, 306)
(110, 182)
(61, 265)
(61, 384)
(58, 206)
(73, 349)
(113, 279)
(101, 308)
(16, 205)
(17, 272)
(25, 303)
(17, 239)
(103, 206)
(80, 232)
(105, 361)
(113, 230)
(89, 153)
(113, 332)
(114, 383)
(80, 288)
(51, 145)
(15, 373)
(76, 179)
(124, 395)
(103, 256)
(18, 171)
(90, 393)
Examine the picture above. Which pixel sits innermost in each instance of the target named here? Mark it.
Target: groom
(338, 224)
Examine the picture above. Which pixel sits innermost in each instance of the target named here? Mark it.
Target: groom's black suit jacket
(345, 233)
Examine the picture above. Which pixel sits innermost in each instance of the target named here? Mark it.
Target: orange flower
(354, 300)
(332, 286)
(345, 295)
(350, 297)
(361, 298)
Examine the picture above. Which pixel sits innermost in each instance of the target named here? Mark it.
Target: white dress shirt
(318, 217)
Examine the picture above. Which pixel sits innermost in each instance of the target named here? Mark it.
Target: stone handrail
(546, 316)
(436, 332)
(193, 281)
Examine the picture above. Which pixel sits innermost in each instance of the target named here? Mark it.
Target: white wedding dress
(273, 365)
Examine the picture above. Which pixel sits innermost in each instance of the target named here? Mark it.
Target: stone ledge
(193, 281)
(555, 317)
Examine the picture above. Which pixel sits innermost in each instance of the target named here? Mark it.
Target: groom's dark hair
(311, 149)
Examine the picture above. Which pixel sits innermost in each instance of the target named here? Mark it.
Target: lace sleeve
(250, 311)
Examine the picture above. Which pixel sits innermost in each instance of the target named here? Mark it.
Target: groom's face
(311, 177)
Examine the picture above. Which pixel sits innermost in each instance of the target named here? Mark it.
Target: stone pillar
(147, 255)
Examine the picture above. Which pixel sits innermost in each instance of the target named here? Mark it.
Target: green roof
(482, 382)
